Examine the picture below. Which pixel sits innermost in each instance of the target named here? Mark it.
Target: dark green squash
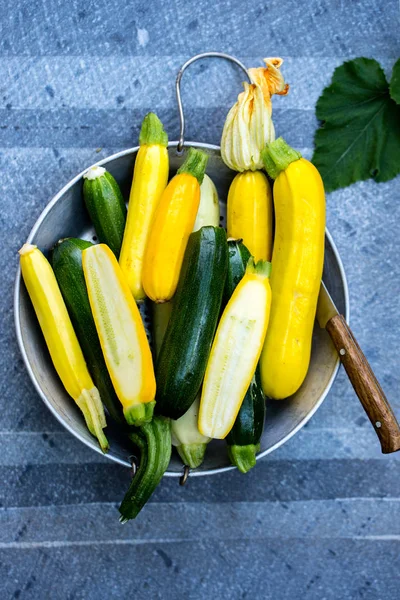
(106, 207)
(244, 438)
(196, 307)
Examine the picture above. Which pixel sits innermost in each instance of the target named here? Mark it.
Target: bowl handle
(178, 86)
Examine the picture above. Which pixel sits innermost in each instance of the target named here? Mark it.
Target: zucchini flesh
(106, 207)
(67, 264)
(121, 332)
(195, 311)
(235, 352)
(154, 443)
(244, 438)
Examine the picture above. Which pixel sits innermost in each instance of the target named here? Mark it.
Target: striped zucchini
(154, 443)
(105, 206)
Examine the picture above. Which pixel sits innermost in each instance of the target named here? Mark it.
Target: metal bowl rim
(93, 445)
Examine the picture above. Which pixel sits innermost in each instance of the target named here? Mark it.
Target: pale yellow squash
(235, 351)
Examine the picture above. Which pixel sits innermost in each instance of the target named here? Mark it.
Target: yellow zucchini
(173, 222)
(60, 338)
(150, 178)
(235, 351)
(249, 213)
(297, 264)
(122, 335)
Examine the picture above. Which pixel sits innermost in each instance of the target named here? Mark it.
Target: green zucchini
(238, 258)
(187, 343)
(154, 443)
(244, 438)
(67, 264)
(105, 206)
(185, 435)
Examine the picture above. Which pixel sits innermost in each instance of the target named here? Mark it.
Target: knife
(358, 370)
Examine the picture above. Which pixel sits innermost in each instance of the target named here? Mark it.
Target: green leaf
(359, 137)
(395, 82)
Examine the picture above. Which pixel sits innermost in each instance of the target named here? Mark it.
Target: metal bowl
(65, 216)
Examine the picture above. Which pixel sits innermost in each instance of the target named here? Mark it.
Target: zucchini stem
(195, 164)
(262, 267)
(152, 132)
(139, 414)
(243, 457)
(192, 455)
(277, 156)
(90, 404)
(154, 443)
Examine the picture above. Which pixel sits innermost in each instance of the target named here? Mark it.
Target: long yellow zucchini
(173, 222)
(235, 351)
(150, 178)
(249, 213)
(60, 338)
(297, 264)
(122, 334)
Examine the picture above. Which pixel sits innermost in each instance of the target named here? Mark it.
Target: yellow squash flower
(248, 126)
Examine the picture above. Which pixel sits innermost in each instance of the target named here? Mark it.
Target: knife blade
(359, 372)
(326, 308)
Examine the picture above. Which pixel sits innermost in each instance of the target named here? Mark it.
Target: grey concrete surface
(319, 518)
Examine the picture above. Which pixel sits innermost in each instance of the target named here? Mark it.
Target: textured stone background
(320, 518)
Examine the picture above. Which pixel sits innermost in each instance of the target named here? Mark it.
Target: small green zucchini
(244, 438)
(154, 443)
(105, 206)
(196, 306)
(67, 264)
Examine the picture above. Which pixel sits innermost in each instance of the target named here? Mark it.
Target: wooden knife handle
(365, 384)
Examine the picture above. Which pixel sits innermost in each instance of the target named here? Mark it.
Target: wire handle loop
(183, 68)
